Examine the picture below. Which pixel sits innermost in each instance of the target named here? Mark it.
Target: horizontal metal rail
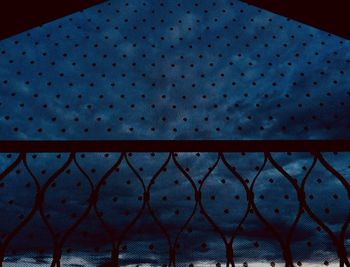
(175, 146)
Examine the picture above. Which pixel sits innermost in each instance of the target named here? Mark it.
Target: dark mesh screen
(140, 70)
(174, 70)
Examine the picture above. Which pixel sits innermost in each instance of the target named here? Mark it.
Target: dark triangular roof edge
(19, 16)
(329, 16)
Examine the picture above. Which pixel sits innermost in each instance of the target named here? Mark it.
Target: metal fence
(220, 149)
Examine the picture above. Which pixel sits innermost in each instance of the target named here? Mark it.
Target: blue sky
(175, 70)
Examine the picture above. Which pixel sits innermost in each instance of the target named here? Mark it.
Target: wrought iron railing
(123, 182)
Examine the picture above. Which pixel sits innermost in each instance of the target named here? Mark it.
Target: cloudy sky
(174, 70)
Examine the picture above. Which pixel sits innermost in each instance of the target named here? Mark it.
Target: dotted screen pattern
(172, 199)
(174, 70)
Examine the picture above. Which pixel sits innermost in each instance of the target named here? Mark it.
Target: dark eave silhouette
(20, 15)
(331, 16)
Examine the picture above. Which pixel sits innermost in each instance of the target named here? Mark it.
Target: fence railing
(198, 188)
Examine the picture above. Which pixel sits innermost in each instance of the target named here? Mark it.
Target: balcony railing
(53, 195)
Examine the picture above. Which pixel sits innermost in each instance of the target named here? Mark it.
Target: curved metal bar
(60, 244)
(203, 211)
(341, 241)
(10, 168)
(340, 177)
(249, 195)
(58, 240)
(317, 220)
(196, 197)
(41, 199)
(129, 226)
(94, 199)
(4, 244)
(294, 184)
(152, 213)
(286, 252)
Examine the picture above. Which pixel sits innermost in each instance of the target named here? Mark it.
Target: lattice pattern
(183, 209)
